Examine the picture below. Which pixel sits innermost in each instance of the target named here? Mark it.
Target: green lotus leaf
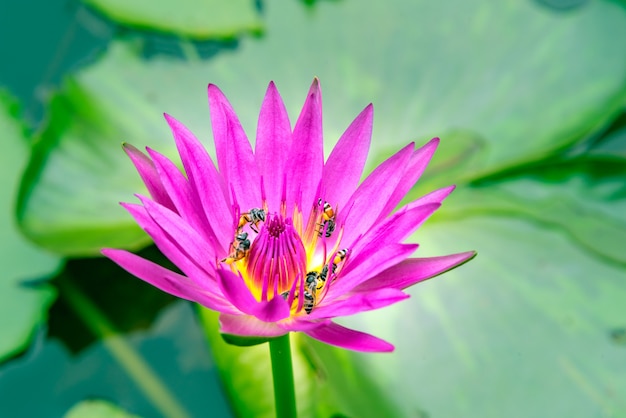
(197, 19)
(23, 306)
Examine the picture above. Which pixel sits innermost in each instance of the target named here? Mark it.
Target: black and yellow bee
(328, 219)
(241, 245)
(252, 217)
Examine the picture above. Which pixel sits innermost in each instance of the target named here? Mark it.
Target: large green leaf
(502, 83)
(530, 328)
(584, 197)
(22, 307)
(198, 19)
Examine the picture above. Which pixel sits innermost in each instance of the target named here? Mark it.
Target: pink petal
(203, 275)
(273, 310)
(395, 228)
(372, 261)
(358, 303)
(148, 173)
(364, 207)
(414, 270)
(273, 140)
(437, 196)
(335, 334)
(306, 154)
(206, 181)
(248, 326)
(183, 234)
(236, 291)
(234, 152)
(405, 221)
(344, 166)
(181, 193)
(304, 324)
(416, 166)
(166, 280)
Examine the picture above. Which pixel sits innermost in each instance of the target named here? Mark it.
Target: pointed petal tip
(431, 145)
(111, 253)
(171, 120)
(130, 207)
(383, 347)
(217, 99)
(470, 255)
(142, 198)
(315, 88)
(459, 260)
(272, 91)
(425, 152)
(131, 149)
(154, 153)
(367, 113)
(214, 92)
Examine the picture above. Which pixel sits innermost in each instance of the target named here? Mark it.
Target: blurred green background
(528, 97)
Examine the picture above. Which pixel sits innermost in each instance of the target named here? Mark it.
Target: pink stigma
(277, 257)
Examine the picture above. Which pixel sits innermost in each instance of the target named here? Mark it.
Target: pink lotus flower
(277, 240)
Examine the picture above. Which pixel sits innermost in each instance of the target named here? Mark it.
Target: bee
(339, 257)
(311, 286)
(315, 281)
(241, 245)
(253, 217)
(311, 279)
(328, 213)
(309, 301)
(328, 219)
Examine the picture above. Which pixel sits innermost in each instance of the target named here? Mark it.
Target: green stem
(282, 372)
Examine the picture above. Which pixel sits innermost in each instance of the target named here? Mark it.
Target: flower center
(280, 256)
(277, 258)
